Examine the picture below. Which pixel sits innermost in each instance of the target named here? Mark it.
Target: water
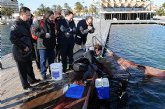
(5, 34)
(143, 44)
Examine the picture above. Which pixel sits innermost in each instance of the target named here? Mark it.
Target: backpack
(41, 25)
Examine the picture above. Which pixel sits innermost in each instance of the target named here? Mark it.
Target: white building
(126, 9)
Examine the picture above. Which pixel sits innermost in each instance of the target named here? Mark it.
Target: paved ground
(11, 91)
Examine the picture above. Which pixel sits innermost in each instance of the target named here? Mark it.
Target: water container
(102, 88)
(56, 71)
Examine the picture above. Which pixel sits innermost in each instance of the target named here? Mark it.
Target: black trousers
(58, 53)
(67, 51)
(26, 73)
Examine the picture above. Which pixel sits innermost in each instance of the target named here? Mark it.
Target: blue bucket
(75, 91)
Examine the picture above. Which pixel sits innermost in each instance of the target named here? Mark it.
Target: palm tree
(42, 9)
(54, 7)
(67, 7)
(21, 4)
(92, 9)
(6, 11)
(78, 7)
(86, 9)
(59, 7)
(163, 5)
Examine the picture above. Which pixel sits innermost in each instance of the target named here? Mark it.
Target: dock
(47, 92)
(160, 22)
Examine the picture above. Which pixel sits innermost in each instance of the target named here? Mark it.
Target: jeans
(44, 55)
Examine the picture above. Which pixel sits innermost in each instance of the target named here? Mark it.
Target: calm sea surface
(6, 44)
(143, 44)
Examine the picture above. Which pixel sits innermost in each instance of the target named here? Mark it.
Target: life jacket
(41, 26)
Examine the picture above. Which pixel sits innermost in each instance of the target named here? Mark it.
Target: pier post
(0, 51)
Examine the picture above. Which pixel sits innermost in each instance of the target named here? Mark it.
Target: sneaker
(29, 88)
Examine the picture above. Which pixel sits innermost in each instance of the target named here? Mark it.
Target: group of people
(54, 35)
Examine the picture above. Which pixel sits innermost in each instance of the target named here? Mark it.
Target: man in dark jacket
(84, 27)
(20, 37)
(45, 31)
(67, 30)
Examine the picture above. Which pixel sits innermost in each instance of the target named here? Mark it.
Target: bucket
(56, 71)
(102, 88)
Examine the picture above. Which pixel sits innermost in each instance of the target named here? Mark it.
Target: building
(13, 4)
(126, 9)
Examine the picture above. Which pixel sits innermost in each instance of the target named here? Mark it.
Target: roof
(106, 12)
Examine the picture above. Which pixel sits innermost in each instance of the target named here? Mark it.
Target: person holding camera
(84, 27)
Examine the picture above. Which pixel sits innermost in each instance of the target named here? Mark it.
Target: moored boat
(2, 22)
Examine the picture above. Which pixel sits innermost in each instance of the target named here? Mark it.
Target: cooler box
(75, 91)
(102, 88)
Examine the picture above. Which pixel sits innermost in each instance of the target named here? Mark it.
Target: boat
(54, 98)
(2, 22)
(81, 103)
(52, 95)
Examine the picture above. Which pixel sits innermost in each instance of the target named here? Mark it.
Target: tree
(59, 8)
(85, 9)
(78, 7)
(67, 7)
(92, 9)
(42, 9)
(21, 4)
(163, 5)
(160, 12)
(54, 7)
(7, 11)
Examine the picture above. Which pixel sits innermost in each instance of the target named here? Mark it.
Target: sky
(34, 4)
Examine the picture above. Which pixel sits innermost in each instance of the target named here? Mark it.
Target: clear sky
(34, 4)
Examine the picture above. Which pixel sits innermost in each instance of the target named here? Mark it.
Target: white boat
(2, 22)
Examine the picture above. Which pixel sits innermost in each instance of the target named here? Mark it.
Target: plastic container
(75, 91)
(102, 88)
(56, 71)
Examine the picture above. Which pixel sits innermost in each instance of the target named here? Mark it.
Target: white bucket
(56, 71)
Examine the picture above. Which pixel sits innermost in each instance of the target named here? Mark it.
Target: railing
(101, 42)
